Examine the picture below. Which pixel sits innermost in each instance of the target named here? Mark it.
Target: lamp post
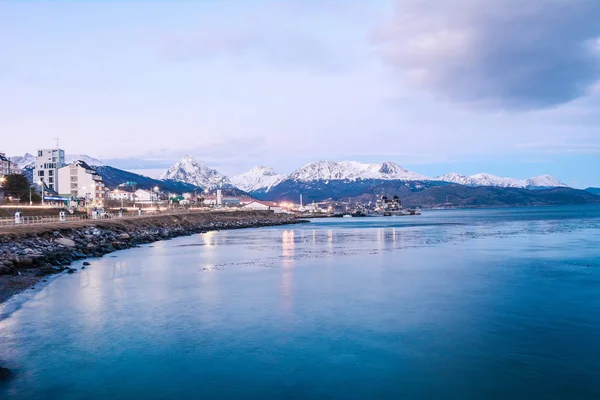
(41, 183)
(156, 197)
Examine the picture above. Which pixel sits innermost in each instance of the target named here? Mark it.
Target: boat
(347, 216)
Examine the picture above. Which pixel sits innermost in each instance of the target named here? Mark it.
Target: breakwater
(28, 253)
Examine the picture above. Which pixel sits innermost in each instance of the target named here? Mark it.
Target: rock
(5, 374)
(56, 234)
(65, 242)
(83, 267)
(71, 270)
(8, 263)
(4, 270)
(124, 236)
(85, 263)
(25, 261)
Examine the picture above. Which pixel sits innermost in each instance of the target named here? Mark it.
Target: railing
(47, 219)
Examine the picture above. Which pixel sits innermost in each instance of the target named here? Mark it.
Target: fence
(48, 219)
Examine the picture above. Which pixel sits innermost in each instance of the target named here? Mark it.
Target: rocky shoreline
(29, 253)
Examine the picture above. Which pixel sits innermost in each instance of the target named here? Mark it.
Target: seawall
(28, 253)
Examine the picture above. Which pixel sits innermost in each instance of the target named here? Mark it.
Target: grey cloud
(511, 54)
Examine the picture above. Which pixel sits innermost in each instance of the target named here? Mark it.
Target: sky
(506, 87)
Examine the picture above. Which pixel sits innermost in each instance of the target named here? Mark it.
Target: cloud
(508, 54)
(560, 148)
(286, 50)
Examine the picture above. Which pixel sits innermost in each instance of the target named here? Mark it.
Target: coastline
(29, 253)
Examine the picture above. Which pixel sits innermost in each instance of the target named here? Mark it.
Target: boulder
(85, 263)
(65, 242)
(124, 236)
(5, 374)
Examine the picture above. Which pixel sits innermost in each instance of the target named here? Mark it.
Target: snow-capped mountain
(483, 179)
(188, 170)
(543, 181)
(94, 162)
(28, 160)
(257, 179)
(22, 162)
(353, 170)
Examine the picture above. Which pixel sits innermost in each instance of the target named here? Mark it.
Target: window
(51, 187)
(40, 173)
(51, 173)
(51, 180)
(40, 153)
(74, 179)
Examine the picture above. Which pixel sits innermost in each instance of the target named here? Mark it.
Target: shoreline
(29, 253)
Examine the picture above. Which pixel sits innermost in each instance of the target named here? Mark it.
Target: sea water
(472, 304)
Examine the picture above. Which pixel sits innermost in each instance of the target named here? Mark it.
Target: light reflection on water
(457, 304)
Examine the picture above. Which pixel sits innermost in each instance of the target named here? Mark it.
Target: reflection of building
(47, 163)
(80, 180)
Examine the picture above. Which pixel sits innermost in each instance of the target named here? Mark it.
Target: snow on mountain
(544, 181)
(22, 162)
(91, 161)
(484, 179)
(28, 160)
(353, 170)
(188, 170)
(257, 179)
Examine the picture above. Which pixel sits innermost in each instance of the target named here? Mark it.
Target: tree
(17, 186)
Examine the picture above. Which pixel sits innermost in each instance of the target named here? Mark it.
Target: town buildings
(118, 194)
(79, 181)
(145, 196)
(5, 165)
(47, 164)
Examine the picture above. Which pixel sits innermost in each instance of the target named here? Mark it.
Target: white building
(79, 180)
(145, 196)
(47, 164)
(121, 195)
(5, 165)
(257, 205)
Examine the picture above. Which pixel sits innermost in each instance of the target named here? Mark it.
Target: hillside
(289, 190)
(593, 190)
(463, 196)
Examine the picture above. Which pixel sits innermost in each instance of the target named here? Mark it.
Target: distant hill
(593, 190)
(290, 190)
(113, 177)
(464, 196)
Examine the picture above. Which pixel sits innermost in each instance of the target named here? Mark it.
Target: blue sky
(437, 86)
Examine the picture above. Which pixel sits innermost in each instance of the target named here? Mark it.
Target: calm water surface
(480, 304)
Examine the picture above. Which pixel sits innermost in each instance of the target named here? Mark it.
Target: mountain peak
(485, 179)
(189, 170)
(259, 178)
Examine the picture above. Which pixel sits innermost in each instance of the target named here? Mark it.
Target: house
(145, 196)
(5, 165)
(47, 164)
(257, 205)
(121, 195)
(81, 182)
(264, 206)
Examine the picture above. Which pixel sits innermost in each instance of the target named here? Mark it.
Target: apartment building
(47, 164)
(5, 165)
(79, 180)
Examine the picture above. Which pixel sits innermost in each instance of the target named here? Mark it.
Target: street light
(41, 183)
(156, 197)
